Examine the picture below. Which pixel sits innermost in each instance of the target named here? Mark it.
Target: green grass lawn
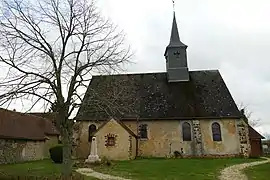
(150, 169)
(170, 169)
(260, 172)
(45, 168)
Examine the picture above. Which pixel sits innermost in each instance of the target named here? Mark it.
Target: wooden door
(256, 149)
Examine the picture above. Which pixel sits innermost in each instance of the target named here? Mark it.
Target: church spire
(175, 39)
(176, 56)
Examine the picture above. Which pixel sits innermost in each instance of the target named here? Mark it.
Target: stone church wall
(82, 146)
(229, 146)
(197, 138)
(164, 137)
(80, 137)
(123, 149)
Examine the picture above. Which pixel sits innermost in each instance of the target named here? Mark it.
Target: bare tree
(267, 136)
(51, 48)
(251, 121)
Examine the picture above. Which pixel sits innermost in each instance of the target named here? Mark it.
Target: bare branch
(248, 114)
(51, 48)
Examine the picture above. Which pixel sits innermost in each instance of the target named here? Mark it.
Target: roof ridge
(149, 73)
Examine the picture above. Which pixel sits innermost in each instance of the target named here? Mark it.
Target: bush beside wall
(56, 154)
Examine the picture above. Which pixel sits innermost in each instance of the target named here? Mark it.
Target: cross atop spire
(173, 5)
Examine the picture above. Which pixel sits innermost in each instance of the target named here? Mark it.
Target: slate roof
(253, 134)
(150, 96)
(175, 38)
(16, 125)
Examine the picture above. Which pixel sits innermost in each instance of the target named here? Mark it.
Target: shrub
(177, 154)
(96, 163)
(56, 154)
(106, 161)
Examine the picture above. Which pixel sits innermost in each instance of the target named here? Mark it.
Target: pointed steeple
(176, 57)
(175, 39)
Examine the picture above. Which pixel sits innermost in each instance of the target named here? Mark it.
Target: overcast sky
(232, 36)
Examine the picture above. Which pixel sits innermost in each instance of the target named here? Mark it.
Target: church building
(159, 114)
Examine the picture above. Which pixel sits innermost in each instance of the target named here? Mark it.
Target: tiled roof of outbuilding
(16, 125)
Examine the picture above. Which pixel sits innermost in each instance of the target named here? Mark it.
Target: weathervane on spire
(173, 5)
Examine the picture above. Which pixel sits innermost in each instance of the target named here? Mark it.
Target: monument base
(92, 159)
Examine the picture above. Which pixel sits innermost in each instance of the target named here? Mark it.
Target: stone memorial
(93, 157)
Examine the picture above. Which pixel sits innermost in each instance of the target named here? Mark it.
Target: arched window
(216, 132)
(186, 130)
(143, 131)
(92, 129)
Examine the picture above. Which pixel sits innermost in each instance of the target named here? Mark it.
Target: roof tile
(150, 96)
(16, 125)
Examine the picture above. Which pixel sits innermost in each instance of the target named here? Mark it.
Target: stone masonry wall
(14, 151)
(130, 148)
(229, 144)
(123, 142)
(11, 151)
(197, 138)
(81, 148)
(243, 133)
(34, 150)
(165, 137)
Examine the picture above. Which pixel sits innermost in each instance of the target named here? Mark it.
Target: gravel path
(235, 172)
(92, 173)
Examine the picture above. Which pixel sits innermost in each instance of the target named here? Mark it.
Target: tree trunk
(66, 134)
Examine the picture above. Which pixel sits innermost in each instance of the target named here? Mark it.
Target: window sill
(143, 139)
(110, 146)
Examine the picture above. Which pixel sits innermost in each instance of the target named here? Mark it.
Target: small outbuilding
(25, 137)
(255, 139)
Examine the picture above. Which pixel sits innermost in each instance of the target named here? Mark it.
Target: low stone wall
(14, 151)
(11, 151)
(34, 150)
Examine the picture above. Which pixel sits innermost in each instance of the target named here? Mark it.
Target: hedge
(56, 154)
